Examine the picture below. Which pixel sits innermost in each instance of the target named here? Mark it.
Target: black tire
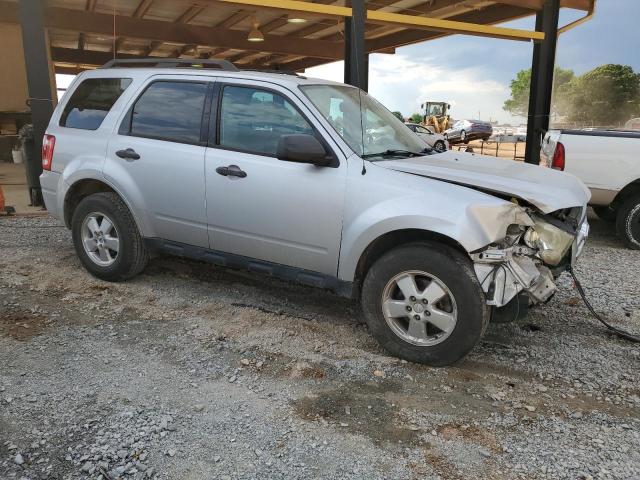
(456, 272)
(605, 213)
(628, 222)
(440, 146)
(132, 256)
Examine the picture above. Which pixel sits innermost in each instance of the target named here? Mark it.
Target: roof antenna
(115, 51)
(355, 44)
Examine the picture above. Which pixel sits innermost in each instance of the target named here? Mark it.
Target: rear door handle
(231, 171)
(129, 154)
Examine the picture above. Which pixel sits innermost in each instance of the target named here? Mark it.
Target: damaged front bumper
(506, 271)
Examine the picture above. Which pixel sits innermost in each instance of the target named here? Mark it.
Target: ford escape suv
(282, 175)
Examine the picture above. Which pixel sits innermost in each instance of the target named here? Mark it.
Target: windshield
(364, 123)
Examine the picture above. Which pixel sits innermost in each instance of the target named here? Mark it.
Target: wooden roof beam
(538, 4)
(234, 19)
(211, 53)
(312, 29)
(190, 13)
(83, 57)
(152, 47)
(138, 28)
(186, 50)
(142, 8)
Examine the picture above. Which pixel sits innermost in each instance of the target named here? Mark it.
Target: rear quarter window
(91, 102)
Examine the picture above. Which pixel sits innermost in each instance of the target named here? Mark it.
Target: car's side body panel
(282, 212)
(168, 177)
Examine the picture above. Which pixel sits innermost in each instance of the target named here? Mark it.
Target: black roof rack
(281, 72)
(170, 63)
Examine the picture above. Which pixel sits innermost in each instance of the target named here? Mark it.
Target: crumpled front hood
(547, 189)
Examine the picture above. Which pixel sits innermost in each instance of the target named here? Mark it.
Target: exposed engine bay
(532, 254)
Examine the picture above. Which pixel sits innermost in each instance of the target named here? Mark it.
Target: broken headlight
(552, 242)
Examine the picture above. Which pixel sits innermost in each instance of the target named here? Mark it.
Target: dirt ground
(191, 371)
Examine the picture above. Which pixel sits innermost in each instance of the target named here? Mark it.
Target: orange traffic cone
(4, 210)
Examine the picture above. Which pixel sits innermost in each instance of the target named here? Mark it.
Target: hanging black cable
(617, 331)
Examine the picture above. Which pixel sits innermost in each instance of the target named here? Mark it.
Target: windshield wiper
(397, 153)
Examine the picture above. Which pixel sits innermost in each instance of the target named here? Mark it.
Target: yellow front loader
(436, 116)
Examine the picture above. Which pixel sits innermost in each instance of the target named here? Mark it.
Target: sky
(473, 73)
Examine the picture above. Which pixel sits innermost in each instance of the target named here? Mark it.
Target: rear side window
(170, 111)
(91, 102)
(253, 120)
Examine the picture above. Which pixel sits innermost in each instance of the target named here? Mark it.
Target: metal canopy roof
(87, 33)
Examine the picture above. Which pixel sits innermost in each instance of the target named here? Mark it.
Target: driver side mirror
(302, 148)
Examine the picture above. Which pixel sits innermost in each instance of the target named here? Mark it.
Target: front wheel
(423, 303)
(439, 146)
(106, 238)
(628, 222)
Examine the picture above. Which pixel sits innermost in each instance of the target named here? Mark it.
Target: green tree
(399, 115)
(518, 103)
(416, 118)
(607, 95)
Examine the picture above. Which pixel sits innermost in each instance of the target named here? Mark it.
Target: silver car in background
(464, 131)
(278, 174)
(435, 140)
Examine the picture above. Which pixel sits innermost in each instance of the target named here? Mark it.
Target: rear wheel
(106, 238)
(605, 213)
(628, 222)
(423, 303)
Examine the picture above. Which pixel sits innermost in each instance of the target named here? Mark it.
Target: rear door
(157, 156)
(278, 211)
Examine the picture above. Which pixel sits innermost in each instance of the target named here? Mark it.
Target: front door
(157, 157)
(261, 207)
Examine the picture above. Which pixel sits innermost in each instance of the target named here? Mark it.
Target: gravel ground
(195, 372)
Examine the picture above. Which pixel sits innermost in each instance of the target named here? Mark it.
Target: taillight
(48, 144)
(558, 157)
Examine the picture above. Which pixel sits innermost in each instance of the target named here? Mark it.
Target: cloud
(402, 82)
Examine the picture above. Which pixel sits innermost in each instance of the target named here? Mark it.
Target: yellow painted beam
(451, 26)
(590, 13)
(296, 6)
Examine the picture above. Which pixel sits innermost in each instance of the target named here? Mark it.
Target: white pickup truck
(608, 162)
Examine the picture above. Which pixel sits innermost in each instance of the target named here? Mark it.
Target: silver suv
(311, 181)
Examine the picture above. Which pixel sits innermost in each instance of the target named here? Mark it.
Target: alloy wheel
(419, 308)
(100, 239)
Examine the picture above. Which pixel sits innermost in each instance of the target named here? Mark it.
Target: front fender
(392, 201)
(473, 228)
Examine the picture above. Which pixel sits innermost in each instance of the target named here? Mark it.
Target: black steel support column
(542, 67)
(356, 64)
(36, 59)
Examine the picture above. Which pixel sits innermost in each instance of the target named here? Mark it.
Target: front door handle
(129, 154)
(231, 171)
